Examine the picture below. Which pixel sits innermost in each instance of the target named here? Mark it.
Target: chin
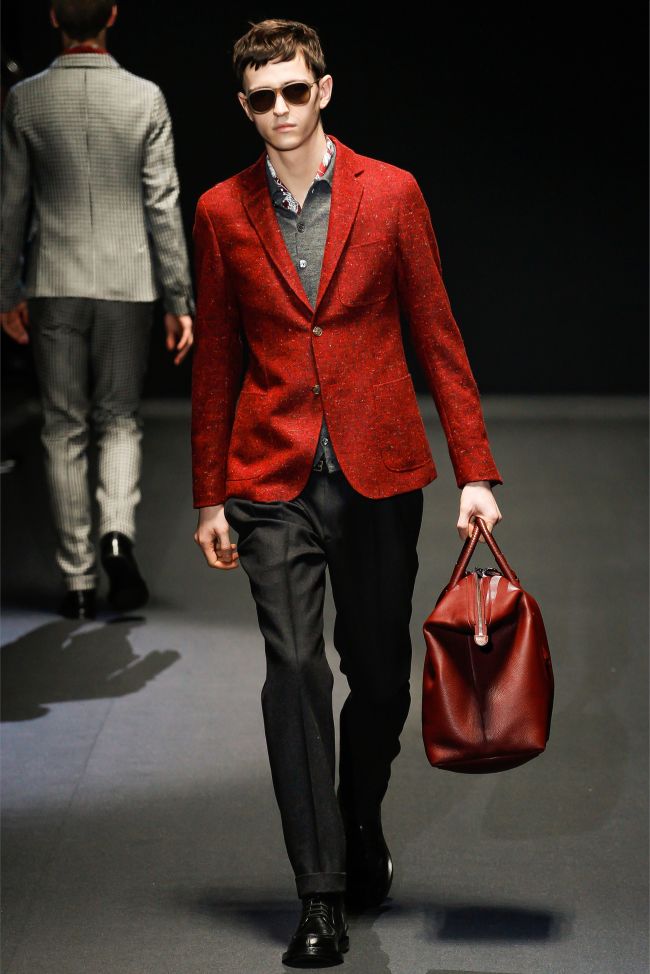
(286, 140)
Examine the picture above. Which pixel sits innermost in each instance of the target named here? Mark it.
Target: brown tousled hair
(278, 40)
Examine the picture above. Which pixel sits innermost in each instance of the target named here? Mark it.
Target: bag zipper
(480, 632)
(480, 635)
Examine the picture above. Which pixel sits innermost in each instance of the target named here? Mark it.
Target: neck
(296, 167)
(99, 41)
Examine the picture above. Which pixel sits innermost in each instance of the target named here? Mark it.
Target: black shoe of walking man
(321, 937)
(79, 604)
(127, 587)
(369, 865)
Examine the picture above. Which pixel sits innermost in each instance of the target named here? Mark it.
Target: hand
(477, 498)
(15, 323)
(212, 537)
(178, 326)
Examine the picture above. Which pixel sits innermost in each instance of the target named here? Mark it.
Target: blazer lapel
(259, 206)
(346, 196)
(347, 191)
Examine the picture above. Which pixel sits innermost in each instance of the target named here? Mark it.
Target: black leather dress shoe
(127, 586)
(79, 605)
(321, 937)
(369, 865)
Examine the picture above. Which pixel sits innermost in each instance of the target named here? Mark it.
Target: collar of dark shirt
(277, 193)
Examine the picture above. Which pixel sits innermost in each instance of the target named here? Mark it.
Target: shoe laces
(315, 907)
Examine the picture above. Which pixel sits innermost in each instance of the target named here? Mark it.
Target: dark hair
(273, 40)
(82, 19)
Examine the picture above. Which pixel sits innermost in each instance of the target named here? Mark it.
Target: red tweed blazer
(254, 434)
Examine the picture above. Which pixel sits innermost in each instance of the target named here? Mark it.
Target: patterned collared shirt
(287, 199)
(304, 229)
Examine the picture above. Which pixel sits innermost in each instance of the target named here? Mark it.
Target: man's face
(286, 126)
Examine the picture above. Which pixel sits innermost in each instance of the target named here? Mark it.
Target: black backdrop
(526, 126)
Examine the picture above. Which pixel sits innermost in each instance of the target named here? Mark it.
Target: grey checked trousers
(90, 358)
(369, 547)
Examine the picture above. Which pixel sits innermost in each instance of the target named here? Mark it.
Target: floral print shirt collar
(286, 198)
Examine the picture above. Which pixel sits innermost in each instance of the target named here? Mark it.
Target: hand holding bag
(487, 694)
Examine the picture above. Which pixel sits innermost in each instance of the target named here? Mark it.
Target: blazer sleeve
(438, 342)
(162, 206)
(217, 365)
(16, 198)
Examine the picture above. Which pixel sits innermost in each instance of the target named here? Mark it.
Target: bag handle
(467, 551)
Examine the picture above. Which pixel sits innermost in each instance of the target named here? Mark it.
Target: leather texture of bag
(488, 686)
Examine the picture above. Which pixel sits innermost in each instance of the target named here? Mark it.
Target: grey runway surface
(140, 830)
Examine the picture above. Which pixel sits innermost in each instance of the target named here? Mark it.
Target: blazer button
(315, 389)
(317, 330)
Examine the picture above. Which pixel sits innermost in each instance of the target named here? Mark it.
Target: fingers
(489, 522)
(224, 547)
(466, 529)
(464, 526)
(227, 557)
(219, 552)
(13, 326)
(184, 345)
(171, 331)
(179, 336)
(488, 525)
(219, 558)
(186, 338)
(466, 521)
(477, 500)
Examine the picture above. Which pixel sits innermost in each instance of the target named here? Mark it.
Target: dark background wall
(525, 125)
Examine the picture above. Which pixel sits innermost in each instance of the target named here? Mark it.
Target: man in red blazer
(316, 453)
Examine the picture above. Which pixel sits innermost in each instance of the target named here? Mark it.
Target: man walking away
(88, 150)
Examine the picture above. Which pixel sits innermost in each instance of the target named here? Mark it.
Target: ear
(53, 19)
(111, 19)
(244, 104)
(325, 89)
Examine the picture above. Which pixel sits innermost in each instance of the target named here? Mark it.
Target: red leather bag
(488, 686)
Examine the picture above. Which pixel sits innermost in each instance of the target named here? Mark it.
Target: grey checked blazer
(91, 146)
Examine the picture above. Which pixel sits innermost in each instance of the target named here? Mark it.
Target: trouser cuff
(320, 883)
(80, 583)
(124, 527)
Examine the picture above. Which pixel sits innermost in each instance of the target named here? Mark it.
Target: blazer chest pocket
(366, 272)
(403, 437)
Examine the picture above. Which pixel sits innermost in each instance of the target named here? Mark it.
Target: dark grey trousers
(369, 547)
(90, 357)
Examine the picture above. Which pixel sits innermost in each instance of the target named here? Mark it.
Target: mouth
(281, 128)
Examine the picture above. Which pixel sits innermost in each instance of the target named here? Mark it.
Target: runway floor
(140, 830)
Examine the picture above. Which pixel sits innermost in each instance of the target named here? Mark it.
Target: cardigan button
(315, 389)
(317, 330)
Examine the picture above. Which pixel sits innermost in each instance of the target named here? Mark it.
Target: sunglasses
(296, 93)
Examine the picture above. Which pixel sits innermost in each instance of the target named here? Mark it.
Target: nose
(280, 107)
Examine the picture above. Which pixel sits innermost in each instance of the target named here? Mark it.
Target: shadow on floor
(75, 660)
(276, 920)
(474, 923)
(465, 923)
